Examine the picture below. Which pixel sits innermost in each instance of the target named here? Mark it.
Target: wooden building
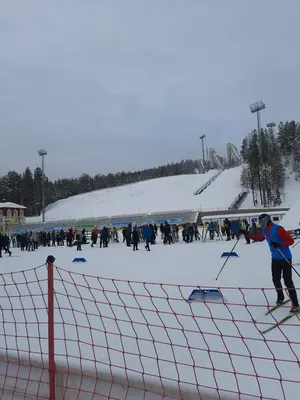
(11, 214)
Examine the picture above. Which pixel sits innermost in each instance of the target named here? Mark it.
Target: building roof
(9, 204)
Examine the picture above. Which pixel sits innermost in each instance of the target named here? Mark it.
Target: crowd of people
(131, 235)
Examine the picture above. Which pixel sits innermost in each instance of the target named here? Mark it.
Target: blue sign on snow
(79, 260)
(229, 254)
(206, 295)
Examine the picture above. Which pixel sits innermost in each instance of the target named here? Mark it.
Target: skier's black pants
(147, 247)
(135, 245)
(283, 268)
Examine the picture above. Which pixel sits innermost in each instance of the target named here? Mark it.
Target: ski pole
(296, 244)
(225, 262)
(294, 269)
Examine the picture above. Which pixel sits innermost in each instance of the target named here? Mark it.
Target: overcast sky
(112, 85)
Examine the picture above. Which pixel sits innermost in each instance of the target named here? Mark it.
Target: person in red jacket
(279, 241)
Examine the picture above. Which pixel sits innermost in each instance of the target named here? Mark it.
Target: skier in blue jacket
(279, 241)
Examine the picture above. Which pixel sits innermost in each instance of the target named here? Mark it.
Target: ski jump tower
(233, 154)
(215, 159)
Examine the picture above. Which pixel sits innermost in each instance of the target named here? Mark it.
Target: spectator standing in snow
(167, 233)
(94, 236)
(162, 231)
(105, 236)
(35, 240)
(148, 236)
(211, 228)
(235, 229)
(115, 235)
(53, 237)
(78, 238)
(69, 238)
(227, 226)
(128, 235)
(4, 244)
(135, 238)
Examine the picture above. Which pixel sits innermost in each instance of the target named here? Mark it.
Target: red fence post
(51, 366)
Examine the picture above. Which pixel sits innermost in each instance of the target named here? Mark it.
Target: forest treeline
(26, 188)
(267, 156)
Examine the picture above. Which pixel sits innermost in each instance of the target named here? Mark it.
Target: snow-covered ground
(174, 193)
(136, 322)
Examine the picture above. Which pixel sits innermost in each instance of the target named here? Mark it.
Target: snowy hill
(174, 193)
(291, 190)
(291, 220)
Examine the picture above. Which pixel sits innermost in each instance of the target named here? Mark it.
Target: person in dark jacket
(279, 241)
(105, 236)
(69, 238)
(6, 244)
(48, 239)
(153, 234)
(53, 237)
(128, 235)
(61, 237)
(78, 238)
(83, 234)
(227, 226)
(167, 233)
(162, 231)
(135, 238)
(246, 231)
(3, 245)
(147, 232)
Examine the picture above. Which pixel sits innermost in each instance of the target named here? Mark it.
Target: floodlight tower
(202, 137)
(257, 108)
(271, 125)
(43, 153)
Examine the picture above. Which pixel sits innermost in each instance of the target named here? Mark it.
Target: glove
(275, 244)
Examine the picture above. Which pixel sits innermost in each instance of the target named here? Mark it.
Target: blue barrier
(229, 254)
(121, 224)
(81, 260)
(206, 295)
(169, 221)
(56, 228)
